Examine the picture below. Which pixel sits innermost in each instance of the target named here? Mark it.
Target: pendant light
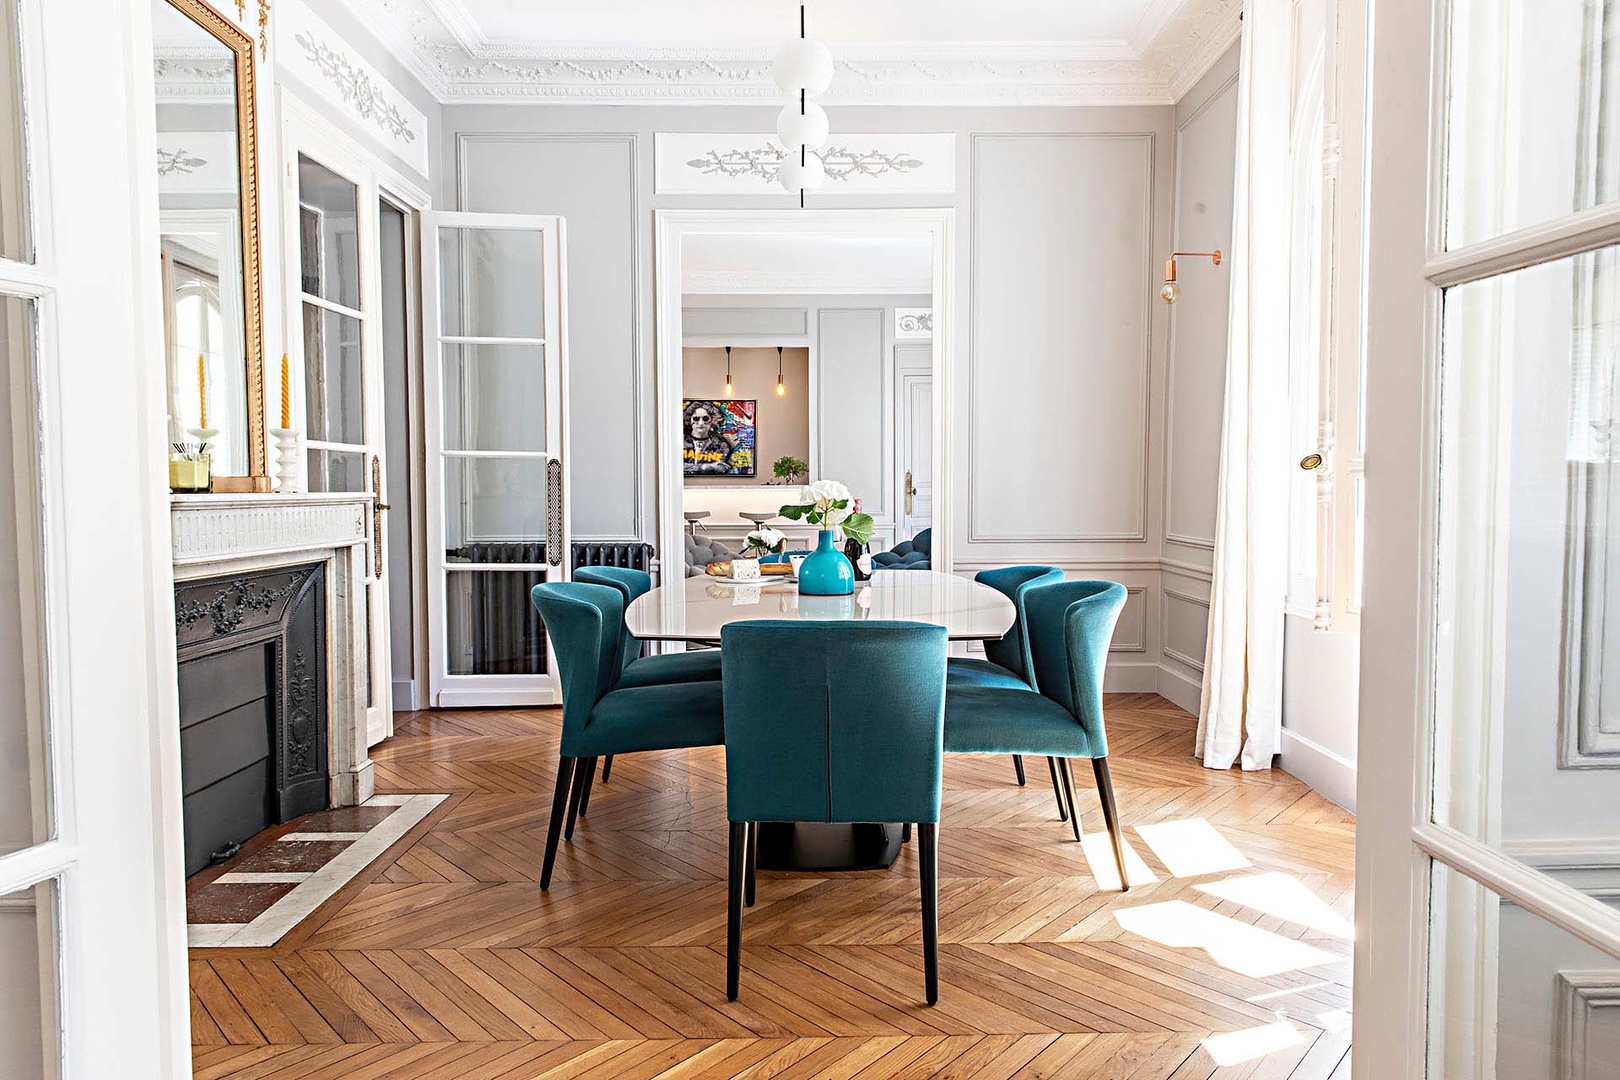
(781, 390)
(803, 68)
(728, 371)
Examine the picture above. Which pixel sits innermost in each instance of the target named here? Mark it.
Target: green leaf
(858, 527)
(794, 513)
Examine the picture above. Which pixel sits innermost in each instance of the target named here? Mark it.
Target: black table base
(803, 845)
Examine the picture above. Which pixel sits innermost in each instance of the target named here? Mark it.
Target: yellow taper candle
(286, 397)
(202, 391)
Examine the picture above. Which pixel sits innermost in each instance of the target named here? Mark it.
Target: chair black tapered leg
(1105, 791)
(734, 906)
(753, 863)
(905, 833)
(590, 778)
(607, 767)
(928, 864)
(1018, 767)
(559, 808)
(1057, 789)
(1068, 794)
(581, 765)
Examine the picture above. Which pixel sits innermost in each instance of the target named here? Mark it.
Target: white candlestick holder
(289, 461)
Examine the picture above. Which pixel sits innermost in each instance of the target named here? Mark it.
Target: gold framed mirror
(209, 263)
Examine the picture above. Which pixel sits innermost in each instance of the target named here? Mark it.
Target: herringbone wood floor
(444, 959)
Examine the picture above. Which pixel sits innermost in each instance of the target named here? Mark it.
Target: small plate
(773, 579)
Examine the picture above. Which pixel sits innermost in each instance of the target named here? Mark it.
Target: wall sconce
(728, 371)
(1170, 291)
(780, 389)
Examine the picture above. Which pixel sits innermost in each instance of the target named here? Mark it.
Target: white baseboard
(1130, 678)
(1327, 773)
(1180, 689)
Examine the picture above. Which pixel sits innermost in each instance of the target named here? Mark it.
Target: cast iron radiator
(496, 631)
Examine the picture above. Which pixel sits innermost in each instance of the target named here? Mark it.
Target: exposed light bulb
(728, 390)
(808, 129)
(795, 176)
(780, 389)
(1169, 292)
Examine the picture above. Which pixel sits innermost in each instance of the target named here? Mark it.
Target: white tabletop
(695, 608)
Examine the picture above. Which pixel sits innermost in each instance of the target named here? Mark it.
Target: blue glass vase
(825, 571)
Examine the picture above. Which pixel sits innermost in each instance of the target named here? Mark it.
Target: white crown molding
(1172, 46)
(800, 282)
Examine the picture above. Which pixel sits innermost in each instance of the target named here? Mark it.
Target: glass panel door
(497, 501)
(340, 303)
(1489, 848)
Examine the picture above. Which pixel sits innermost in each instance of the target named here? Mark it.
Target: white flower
(765, 537)
(836, 517)
(824, 491)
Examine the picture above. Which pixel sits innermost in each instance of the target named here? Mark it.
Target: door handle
(377, 508)
(554, 522)
(1311, 461)
(910, 491)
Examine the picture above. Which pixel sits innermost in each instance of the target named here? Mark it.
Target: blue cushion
(971, 671)
(833, 721)
(668, 716)
(910, 554)
(996, 720)
(681, 667)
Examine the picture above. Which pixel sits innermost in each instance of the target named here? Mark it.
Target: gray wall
(1062, 363)
(1205, 160)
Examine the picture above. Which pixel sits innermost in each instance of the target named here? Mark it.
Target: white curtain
(1240, 715)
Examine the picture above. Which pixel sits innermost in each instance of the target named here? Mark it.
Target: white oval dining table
(695, 608)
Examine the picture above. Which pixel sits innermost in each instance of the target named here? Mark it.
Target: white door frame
(672, 226)
(1408, 268)
(904, 378)
(305, 132)
(446, 690)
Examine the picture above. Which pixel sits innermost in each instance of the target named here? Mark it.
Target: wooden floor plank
(445, 962)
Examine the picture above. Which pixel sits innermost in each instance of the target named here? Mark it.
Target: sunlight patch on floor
(1235, 1047)
(1284, 897)
(1236, 946)
(1100, 855)
(1192, 847)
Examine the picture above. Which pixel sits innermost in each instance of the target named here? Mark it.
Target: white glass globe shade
(808, 129)
(796, 177)
(803, 65)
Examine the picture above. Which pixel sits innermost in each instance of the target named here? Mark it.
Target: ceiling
(938, 52)
(793, 263)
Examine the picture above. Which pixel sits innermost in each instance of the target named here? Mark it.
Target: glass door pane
(30, 945)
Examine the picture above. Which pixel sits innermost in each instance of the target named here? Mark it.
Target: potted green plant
(828, 504)
(789, 468)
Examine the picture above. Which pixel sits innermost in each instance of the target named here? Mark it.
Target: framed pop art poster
(718, 437)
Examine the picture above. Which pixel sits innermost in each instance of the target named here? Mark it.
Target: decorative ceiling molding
(801, 282)
(1173, 44)
(193, 73)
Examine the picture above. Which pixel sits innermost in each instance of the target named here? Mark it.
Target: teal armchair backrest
(631, 584)
(1070, 626)
(584, 622)
(836, 721)
(1011, 650)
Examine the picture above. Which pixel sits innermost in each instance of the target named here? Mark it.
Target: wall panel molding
(1136, 637)
(1588, 716)
(1584, 1000)
(1166, 624)
(982, 529)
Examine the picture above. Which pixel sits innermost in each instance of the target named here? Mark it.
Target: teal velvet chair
(600, 716)
(690, 666)
(1068, 625)
(833, 722)
(1006, 661)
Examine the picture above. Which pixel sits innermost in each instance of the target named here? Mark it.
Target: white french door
(335, 289)
(916, 459)
(495, 411)
(1488, 847)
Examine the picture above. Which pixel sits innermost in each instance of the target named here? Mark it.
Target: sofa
(907, 554)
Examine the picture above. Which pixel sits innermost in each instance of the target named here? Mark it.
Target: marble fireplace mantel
(221, 535)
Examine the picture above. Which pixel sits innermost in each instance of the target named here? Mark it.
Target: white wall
(1205, 154)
